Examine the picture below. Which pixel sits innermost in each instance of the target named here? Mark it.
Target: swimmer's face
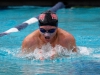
(48, 32)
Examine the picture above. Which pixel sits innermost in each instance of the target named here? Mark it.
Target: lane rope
(32, 20)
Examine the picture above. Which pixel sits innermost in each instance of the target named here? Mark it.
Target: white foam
(47, 51)
(84, 50)
(96, 55)
(9, 51)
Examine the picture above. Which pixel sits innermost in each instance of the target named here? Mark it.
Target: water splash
(47, 51)
(85, 50)
(62, 52)
(8, 51)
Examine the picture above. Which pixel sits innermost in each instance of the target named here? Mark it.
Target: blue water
(82, 23)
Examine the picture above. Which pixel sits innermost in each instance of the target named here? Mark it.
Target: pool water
(82, 23)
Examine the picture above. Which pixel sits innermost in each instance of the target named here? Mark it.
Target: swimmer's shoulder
(65, 34)
(30, 40)
(32, 36)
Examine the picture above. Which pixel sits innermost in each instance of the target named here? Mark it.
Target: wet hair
(48, 18)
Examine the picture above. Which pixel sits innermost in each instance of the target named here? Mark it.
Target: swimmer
(48, 32)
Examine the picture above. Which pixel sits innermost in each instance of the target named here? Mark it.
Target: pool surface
(82, 23)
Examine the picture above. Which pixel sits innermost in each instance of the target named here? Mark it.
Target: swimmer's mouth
(47, 37)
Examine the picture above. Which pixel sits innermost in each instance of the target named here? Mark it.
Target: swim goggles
(48, 31)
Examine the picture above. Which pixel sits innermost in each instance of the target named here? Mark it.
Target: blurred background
(68, 3)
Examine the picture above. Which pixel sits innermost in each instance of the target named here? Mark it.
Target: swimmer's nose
(47, 35)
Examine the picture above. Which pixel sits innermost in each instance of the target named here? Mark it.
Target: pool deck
(68, 3)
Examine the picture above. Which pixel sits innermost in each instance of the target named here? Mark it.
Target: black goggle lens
(49, 31)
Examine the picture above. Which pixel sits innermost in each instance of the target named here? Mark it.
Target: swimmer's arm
(28, 45)
(71, 44)
(74, 48)
(25, 46)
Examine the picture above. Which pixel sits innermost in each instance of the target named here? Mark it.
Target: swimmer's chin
(47, 40)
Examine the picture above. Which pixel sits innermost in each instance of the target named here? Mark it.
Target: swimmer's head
(48, 18)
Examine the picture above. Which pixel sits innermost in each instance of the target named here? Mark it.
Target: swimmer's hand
(41, 55)
(53, 54)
